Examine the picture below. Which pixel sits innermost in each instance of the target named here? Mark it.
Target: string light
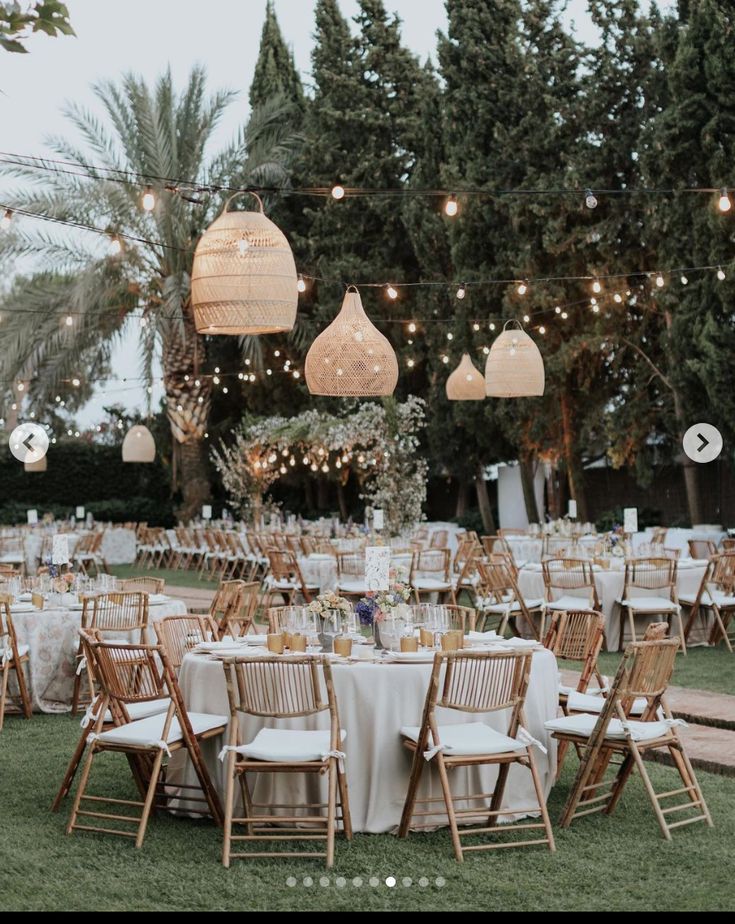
(542, 329)
(6, 220)
(564, 315)
(69, 321)
(597, 286)
(492, 326)
(557, 310)
(451, 206)
(410, 363)
(684, 281)
(115, 246)
(526, 318)
(301, 284)
(149, 199)
(593, 301)
(596, 308)
(618, 297)
(450, 336)
(724, 204)
(660, 281)
(75, 382)
(486, 350)
(412, 328)
(461, 292)
(445, 359)
(391, 291)
(475, 327)
(590, 200)
(522, 288)
(720, 273)
(338, 192)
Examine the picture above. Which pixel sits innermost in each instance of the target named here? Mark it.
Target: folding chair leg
(81, 789)
(541, 801)
(150, 796)
(25, 697)
(497, 800)
(344, 802)
(4, 694)
(447, 790)
(71, 770)
(682, 635)
(229, 798)
(331, 809)
(722, 627)
(623, 774)
(413, 788)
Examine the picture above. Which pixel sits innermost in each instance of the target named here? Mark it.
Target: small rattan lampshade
(466, 382)
(351, 358)
(138, 445)
(514, 367)
(40, 465)
(243, 279)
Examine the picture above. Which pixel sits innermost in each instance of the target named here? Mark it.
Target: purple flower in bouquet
(366, 609)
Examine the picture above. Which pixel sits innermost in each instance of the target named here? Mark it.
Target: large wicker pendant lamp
(466, 382)
(351, 358)
(138, 445)
(514, 367)
(243, 279)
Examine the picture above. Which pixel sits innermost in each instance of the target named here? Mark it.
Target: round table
(52, 635)
(609, 584)
(374, 701)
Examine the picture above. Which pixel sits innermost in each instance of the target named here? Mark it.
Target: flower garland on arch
(379, 441)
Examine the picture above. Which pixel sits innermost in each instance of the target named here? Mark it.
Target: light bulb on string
(593, 301)
(564, 315)
(590, 200)
(720, 273)
(450, 336)
(301, 284)
(461, 292)
(618, 297)
(410, 363)
(6, 220)
(492, 325)
(451, 206)
(69, 321)
(724, 203)
(542, 329)
(391, 291)
(597, 286)
(445, 359)
(660, 281)
(526, 318)
(557, 310)
(522, 287)
(115, 246)
(596, 309)
(412, 328)
(684, 281)
(149, 199)
(75, 382)
(475, 327)
(338, 192)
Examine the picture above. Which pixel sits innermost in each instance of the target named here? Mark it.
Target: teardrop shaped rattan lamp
(40, 465)
(466, 382)
(351, 358)
(514, 367)
(243, 279)
(138, 445)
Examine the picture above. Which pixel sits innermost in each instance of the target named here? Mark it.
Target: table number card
(630, 520)
(32, 517)
(572, 510)
(80, 513)
(207, 512)
(378, 519)
(377, 567)
(60, 550)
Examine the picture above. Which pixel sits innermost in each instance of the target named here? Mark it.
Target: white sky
(147, 35)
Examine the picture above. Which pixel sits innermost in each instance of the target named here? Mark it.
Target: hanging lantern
(351, 358)
(138, 445)
(40, 465)
(466, 382)
(514, 367)
(243, 279)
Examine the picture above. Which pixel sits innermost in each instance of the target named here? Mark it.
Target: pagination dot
(390, 881)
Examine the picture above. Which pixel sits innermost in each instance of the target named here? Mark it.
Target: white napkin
(491, 636)
(419, 656)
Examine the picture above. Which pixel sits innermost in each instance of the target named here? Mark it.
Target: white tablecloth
(609, 585)
(679, 538)
(374, 701)
(118, 546)
(527, 549)
(53, 637)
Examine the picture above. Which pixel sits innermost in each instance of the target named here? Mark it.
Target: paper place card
(80, 513)
(572, 510)
(377, 567)
(630, 520)
(207, 512)
(378, 519)
(32, 517)
(60, 550)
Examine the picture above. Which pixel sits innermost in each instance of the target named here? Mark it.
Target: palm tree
(146, 132)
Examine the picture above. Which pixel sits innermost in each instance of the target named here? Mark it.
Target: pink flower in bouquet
(69, 578)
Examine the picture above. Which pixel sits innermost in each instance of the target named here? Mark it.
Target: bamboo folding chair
(285, 579)
(702, 549)
(512, 531)
(728, 545)
(13, 658)
(716, 595)
(475, 682)
(226, 602)
(464, 569)
(502, 597)
(439, 539)
(642, 576)
(114, 615)
(658, 535)
(576, 636)
(462, 618)
(178, 635)
(351, 581)
(238, 622)
(274, 688)
(644, 673)
(430, 573)
(145, 585)
(569, 584)
(131, 675)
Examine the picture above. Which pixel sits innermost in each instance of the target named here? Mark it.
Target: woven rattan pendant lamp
(243, 279)
(514, 367)
(466, 382)
(351, 358)
(138, 445)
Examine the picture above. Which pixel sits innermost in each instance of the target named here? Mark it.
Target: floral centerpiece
(330, 601)
(377, 606)
(615, 540)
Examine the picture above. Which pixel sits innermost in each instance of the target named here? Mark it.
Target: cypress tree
(275, 73)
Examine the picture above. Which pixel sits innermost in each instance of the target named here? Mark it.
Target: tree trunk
(691, 473)
(483, 501)
(342, 500)
(188, 403)
(528, 479)
(308, 495)
(575, 473)
(462, 498)
(322, 494)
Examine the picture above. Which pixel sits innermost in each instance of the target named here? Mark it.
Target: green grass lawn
(615, 863)
(173, 577)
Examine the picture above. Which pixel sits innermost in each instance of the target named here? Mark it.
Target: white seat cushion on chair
(587, 702)
(473, 738)
(650, 604)
(285, 745)
(428, 583)
(569, 602)
(143, 710)
(505, 607)
(147, 732)
(352, 587)
(583, 724)
(565, 690)
(719, 598)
